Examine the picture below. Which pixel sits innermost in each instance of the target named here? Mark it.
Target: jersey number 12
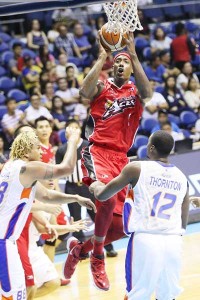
(159, 212)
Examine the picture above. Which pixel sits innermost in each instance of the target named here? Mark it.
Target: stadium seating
(3, 47)
(18, 95)
(6, 57)
(3, 111)
(2, 99)
(142, 152)
(5, 37)
(174, 119)
(148, 124)
(188, 119)
(3, 71)
(6, 84)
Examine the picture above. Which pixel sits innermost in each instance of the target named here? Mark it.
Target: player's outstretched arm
(130, 174)
(55, 197)
(36, 170)
(185, 210)
(91, 87)
(141, 79)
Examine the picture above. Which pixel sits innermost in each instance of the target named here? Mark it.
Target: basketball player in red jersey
(116, 109)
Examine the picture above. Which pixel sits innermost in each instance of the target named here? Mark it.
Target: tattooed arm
(91, 87)
(36, 170)
(141, 79)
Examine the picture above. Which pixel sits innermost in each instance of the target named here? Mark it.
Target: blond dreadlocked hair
(23, 144)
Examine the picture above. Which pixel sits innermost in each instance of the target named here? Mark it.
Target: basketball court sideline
(82, 288)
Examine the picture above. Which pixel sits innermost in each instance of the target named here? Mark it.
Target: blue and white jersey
(15, 201)
(158, 198)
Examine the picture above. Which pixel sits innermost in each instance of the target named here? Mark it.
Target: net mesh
(122, 16)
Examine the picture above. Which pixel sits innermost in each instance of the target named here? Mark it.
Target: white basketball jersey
(15, 201)
(158, 198)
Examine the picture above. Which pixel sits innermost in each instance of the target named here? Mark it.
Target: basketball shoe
(74, 247)
(98, 272)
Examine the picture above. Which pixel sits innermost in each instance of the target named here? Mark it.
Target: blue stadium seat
(171, 35)
(188, 119)
(173, 11)
(190, 26)
(142, 152)
(154, 13)
(2, 99)
(141, 43)
(17, 95)
(148, 124)
(3, 111)
(28, 52)
(3, 71)
(6, 56)
(16, 41)
(6, 84)
(23, 106)
(5, 37)
(140, 140)
(147, 53)
(174, 119)
(3, 47)
(62, 137)
(159, 89)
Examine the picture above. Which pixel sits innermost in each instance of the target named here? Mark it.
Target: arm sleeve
(128, 212)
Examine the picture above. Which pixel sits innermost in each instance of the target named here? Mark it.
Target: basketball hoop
(122, 16)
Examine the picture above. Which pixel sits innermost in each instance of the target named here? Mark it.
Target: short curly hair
(23, 144)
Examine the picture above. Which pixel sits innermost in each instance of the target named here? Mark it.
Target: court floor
(82, 288)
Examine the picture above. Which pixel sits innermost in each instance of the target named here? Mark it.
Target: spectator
(36, 38)
(162, 119)
(62, 65)
(64, 16)
(80, 111)
(145, 32)
(182, 46)
(16, 63)
(58, 112)
(183, 78)
(160, 40)
(36, 110)
(48, 95)
(192, 95)
(30, 74)
(81, 39)
(66, 44)
(53, 34)
(72, 81)
(165, 59)
(4, 155)
(173, 97)
(44, 57)
(156, 103)
(12, 119)
(155, 70)
(177, 136)
(70, 96)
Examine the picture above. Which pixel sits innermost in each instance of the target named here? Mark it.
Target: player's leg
(144, 260)
(22, 245)
(46, 276)
(168, 286)
(11, 272)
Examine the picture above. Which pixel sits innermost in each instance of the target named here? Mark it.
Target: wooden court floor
(82, 288)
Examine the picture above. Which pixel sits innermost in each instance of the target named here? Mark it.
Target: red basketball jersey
(47, 154)
(114, 117)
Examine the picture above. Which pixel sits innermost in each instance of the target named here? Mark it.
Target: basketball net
(122, 16)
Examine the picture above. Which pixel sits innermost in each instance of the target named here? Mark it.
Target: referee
(74, 185)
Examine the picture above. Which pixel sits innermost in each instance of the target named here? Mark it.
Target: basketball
(112, 41)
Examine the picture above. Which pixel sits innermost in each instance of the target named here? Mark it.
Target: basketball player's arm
(36, 170)
(185, 210)
(54, 209)
(141, 80)
(130, 174)
(91, 87)
(55, 197)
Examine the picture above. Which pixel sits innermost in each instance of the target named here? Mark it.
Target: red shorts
(22, 244)
(103, 164)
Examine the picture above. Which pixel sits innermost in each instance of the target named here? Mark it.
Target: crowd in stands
(42, 72)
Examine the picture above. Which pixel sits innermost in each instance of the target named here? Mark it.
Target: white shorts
(153, 264)
(43, 269)
(12, 280)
